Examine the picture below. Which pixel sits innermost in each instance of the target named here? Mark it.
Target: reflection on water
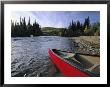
(29, 55)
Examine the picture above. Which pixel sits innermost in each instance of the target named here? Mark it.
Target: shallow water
(29, 55)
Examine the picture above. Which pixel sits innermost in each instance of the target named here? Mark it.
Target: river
(29, 55)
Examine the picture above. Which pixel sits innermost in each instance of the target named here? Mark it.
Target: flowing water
(29, 55)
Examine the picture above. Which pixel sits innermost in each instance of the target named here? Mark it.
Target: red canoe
(74, 65)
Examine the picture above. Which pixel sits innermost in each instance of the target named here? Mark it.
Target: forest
(74, 29)
(21, 29)
(79, 29)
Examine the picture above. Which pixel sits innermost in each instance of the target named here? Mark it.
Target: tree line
(79, 29)
(21, 29)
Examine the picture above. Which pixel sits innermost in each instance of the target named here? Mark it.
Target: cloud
(16, 16)
(56, 18)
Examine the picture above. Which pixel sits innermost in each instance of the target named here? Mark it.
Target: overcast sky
(56, 18)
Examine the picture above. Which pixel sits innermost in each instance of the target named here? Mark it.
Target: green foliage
(85, 29)
(20, 29)
(52, 31)
(96, 28)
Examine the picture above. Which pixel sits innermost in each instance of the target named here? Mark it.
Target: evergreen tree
(78, 25)
(88, 22)
(81, 29)
(12, 28)
(29, 27)
(70, 26)
(21, 29)
(69, 31)
(24, 28)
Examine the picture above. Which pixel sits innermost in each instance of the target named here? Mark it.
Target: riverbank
(86, 44)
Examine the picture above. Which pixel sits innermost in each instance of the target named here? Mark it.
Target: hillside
(51, 31)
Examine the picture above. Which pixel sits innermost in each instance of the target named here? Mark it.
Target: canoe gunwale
(86, 71)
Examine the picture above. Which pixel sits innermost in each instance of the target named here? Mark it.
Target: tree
(82, 29)
(21, 29)
(24, 28)
(78, 25)
(36, 30)
(12, 28)
(87, 22)
(96, 28)
(29, 27)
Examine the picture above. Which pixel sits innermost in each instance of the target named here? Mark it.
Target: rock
(86, 46)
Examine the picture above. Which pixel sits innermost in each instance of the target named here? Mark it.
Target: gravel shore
(86, 44)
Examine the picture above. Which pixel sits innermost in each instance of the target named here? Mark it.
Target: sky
(58, 19)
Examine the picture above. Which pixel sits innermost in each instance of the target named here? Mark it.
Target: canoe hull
(66, 69)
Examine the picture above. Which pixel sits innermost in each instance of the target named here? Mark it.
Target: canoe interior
(83, 62)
